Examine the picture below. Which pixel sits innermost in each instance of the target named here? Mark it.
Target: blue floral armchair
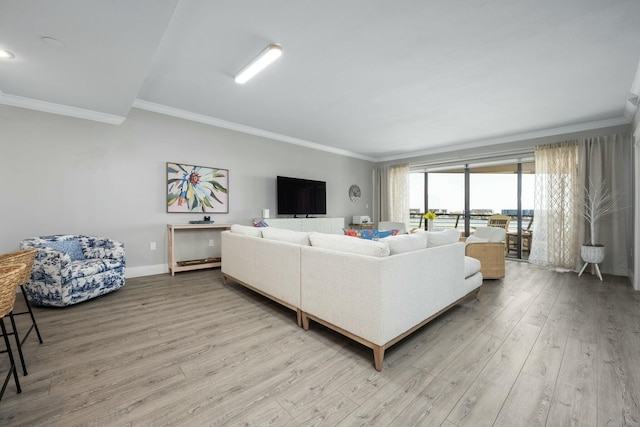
(69, 269)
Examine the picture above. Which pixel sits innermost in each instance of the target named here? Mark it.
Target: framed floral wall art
(197, 189)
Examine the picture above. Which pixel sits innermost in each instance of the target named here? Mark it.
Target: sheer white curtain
(607, 160)
(392, 193)
(556, 206)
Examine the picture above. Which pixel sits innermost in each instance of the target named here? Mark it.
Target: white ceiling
(380, 79)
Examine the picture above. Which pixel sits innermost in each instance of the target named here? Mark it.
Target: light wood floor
(539, 348)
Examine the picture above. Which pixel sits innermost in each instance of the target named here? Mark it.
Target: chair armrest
(100, 247)
(51, 267)
(478, 249)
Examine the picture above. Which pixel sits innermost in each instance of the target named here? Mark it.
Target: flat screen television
(301, 196)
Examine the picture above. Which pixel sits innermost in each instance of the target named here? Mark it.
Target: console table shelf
(174, 266)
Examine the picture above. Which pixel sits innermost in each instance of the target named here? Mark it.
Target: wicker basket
(592, 254)
(10, 276)
(26, 257)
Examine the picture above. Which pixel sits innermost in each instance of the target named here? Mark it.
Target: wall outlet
(211, 243)
(152, 246)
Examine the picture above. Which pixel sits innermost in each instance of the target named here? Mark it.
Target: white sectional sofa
(375, 293)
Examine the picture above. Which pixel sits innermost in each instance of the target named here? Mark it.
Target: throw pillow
(246, 230)
(444, 237)
(348, 244)
(406, 242)
(289, 236)
(380, 234)
(352, 233)
(476, 239)
(71, 247)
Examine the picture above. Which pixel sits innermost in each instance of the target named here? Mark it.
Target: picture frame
(197, 189)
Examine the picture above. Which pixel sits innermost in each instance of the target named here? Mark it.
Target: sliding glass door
(464, 197)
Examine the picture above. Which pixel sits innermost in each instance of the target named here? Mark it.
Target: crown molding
(580, 127)
(630, 108)
(200, 118)
(63, 110)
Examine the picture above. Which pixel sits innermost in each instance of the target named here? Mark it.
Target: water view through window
(489, 193)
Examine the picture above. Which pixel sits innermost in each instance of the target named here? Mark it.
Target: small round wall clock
(354, 193)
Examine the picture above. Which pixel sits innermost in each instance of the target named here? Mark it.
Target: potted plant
(429, 217)
(598, 201)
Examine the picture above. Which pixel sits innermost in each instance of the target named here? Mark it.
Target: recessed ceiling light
(50, 41)
(266, 57)
(5, 54)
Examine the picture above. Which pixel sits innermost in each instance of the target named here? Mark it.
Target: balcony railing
(456, 220)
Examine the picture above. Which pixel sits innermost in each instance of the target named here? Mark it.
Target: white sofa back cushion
(349, 244)
(494, 234)
(246, 230)
(289, 236)
(406, 242)
(444, 237)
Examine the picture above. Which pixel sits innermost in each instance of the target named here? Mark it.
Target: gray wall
(66, 175)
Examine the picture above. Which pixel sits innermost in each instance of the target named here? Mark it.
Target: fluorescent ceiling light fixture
(266, 57)
(5, 54)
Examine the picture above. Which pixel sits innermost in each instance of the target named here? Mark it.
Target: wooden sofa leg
(224, 279)
(299, 317)
(378, 356)
(305, 321)
(478, 295)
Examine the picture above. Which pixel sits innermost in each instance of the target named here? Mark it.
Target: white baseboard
(131, 272)
(145, 270)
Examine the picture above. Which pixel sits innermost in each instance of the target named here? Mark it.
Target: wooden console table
(173, 264)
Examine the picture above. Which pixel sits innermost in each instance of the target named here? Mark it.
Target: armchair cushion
(476, 239)
(71, 247)
(494, 234)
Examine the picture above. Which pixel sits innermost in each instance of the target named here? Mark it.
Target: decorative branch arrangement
(598, 201)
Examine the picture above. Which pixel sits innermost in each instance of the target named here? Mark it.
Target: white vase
(429, 225)
(592, 254)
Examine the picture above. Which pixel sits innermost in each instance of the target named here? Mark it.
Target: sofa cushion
(348, 244)
(289, 236)
(471, 266)
(444, 237)
(246, 230)
(71, 247)
(406, 242)
(476, 239)
(494, 234)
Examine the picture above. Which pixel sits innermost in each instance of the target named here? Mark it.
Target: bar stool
(25, 257)
(10, 276)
